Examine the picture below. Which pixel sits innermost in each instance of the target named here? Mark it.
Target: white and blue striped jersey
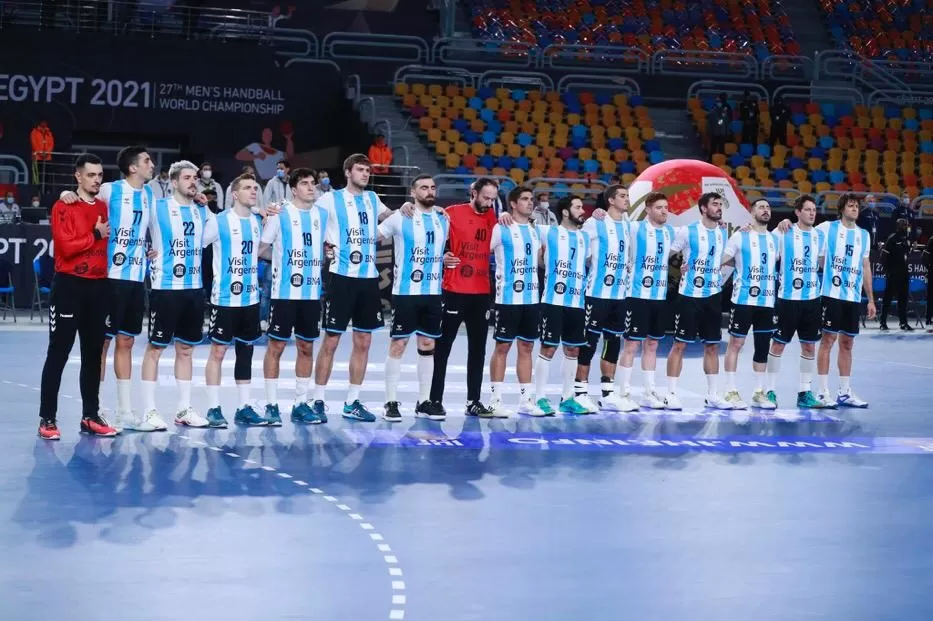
(516, 249)
(702, 249)
(352, 222)
(419, 251)
(128, 212)
(176, 233)
(799, 253)
(845, 250)
(607, 278)
(649, 249)
(565, 255)
(297, 240)
(235, 246)
(755, 254)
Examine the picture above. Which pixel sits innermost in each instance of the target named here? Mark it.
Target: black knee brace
(585, 357)
(762, 347)
(243, 365)
(612, 347)
(425, 352)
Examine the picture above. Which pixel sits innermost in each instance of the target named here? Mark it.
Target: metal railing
(823, 94)
(902, 98)
(15, 167)
(527, 80)
(596, 59)
(783, 68)
(847, 65)
(434, 75)
(590, 83)
(829, 198)
(703, 63)
(716, 87)
(776, 197)
(484, 53)
(907, 70)
(375, 47)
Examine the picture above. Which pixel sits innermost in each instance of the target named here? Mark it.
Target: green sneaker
(545, 406)
(764, 401)
(572, 406)
(807, 401)
(772, 397)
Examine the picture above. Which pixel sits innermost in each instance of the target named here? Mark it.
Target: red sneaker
(48, 430)
(97, 428)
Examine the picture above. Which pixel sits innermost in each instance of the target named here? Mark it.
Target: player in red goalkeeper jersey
(78, 302)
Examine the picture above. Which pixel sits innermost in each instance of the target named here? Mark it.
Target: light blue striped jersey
(565, 255)
(297, 240)
(516, 249)
(352, 222)
(128, 212)
(755, 282)
(608, 258)
(649, 249)
(702, 249)
(799, 253)
(845, 249)
(176, 232)
(235, 245)
(419, 251)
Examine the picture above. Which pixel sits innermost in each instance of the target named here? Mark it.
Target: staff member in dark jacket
(78, 302)
(895, 254)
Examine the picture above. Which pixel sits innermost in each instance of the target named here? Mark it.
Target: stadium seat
(890, 30)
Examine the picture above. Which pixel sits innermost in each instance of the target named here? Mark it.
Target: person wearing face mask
(161, 185)
(207, 184)
(868, 218)
(9, 210)
(323, 183)
(895, 254)
(542, 214)
(278, 189)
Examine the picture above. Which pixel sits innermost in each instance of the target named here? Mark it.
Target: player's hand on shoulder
(68, 197)
(272, 209)
(599, 214)
(407, 209)
(201, 198)
(784, 225)
(505, 219)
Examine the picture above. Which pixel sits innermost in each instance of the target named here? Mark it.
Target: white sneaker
(672, 402)
(734, 399)
(189, 417)
(151, 421)
(106, 415)
(717, 403)
(586, 403)
(829, 404)
(125, 420)
(498, 411)
(652, 400)
(530, 408)
(850, 400)
(617, 403)
(761, 401)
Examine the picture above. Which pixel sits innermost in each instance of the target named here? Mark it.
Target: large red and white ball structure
(683, 182)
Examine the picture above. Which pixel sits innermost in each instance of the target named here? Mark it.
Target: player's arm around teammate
(293, 241)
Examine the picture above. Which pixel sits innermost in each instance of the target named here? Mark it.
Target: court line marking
(398, 602)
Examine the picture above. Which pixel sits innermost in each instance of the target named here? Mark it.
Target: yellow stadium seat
(452, 160)
(442, 147)
(434, 135)
(461, 148)
(435, 90)
(496, 149)
(401, 89)
(419, 89)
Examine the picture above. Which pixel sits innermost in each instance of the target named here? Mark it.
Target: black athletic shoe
(390, 412)
(476, 408)
(430, 410)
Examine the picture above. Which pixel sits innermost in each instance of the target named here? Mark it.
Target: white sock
(759, 380)
(711, 384)
(425, 368)
(149, 389)
(823, 383)
(625, 380)
(570, 374)
(671, 384)
(319, 391)
(730, 380)
(271, 388)
(184, 394)
(526, 392)
(581, 388)
(123, 395)
(844, 386)
(606, 388)
(774, 367)
(807, 365)
(213, 396)
(243, 389)
(542, 369)
(393, 371)
(301, 389)
(354, 393)
(649, 380)
(495, 392)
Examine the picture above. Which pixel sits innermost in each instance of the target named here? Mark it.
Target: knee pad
(243, 365)
(762, 347)
(585, 356)
(425, 352)
(612, 347)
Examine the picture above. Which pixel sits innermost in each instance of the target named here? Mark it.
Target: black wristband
(97, 234)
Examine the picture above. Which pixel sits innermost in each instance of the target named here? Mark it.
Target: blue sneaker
(357, 411)
(320, 410)
(303, 414)
(215, 419)
(246, 415)
(273, 417)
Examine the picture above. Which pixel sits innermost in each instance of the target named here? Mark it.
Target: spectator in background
(380, 154)
(43, 143)
(868, 218)
(323, 182)
(278, 190)
(719, 123)
(897, 278)
(542, 214)
(161, 185)
(780, 117)
(207, 184)
(748, 114)
(9, 210)
(905, 211)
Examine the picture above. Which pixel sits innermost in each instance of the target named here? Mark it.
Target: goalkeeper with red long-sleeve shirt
(78, 302)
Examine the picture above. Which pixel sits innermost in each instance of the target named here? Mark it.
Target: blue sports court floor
(642, 517)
